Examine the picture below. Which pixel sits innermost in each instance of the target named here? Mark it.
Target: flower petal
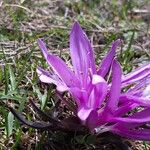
(92, 120)
(43, 48)
(46, 77)
(88, 117)
(146, 92)
(115, 87)
(140, 87)
(108, 59)
(134, 124)
(125, 108)
(136, 75)
(141, 134)
(98, 92)
(59, 67)
(139, 117)
(134, 99)
(80, 96)
(83, 114)
(81, 53)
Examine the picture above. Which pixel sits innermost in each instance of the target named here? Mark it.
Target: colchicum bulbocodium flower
(102, 104)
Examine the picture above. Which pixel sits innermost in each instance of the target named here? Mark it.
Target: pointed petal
(107, 61)
(136, 75)
(80, 96)
(88, 117)
(139, 117)
(62, 71)
(81, 52)
(134, 124)
(125, 108)
(98, 92)
(115, 87)
(92, 120)
(138, 100)
(83, 114)
(59, 67)
(141, 134)
(140, 87)
(43, 48)
(146, 92)
(46, 77)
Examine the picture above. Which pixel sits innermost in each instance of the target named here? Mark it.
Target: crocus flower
(101, 105)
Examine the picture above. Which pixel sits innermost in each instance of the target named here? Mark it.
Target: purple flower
(102, 105)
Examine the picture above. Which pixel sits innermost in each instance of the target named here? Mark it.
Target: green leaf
(17, 140)
(6, 75)
(9, 124)
(6, 97)
(12, 78)
(44, 99)
(1, 75)
(25, 68)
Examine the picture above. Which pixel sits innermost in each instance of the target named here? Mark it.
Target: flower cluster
(106, 99)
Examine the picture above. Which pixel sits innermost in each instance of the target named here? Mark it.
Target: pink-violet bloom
(102, 104)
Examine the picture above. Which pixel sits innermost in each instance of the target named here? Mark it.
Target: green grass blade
(6, 78)
(12, 78)
(25, 68)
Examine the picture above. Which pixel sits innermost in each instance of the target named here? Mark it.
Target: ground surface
(22, 22)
